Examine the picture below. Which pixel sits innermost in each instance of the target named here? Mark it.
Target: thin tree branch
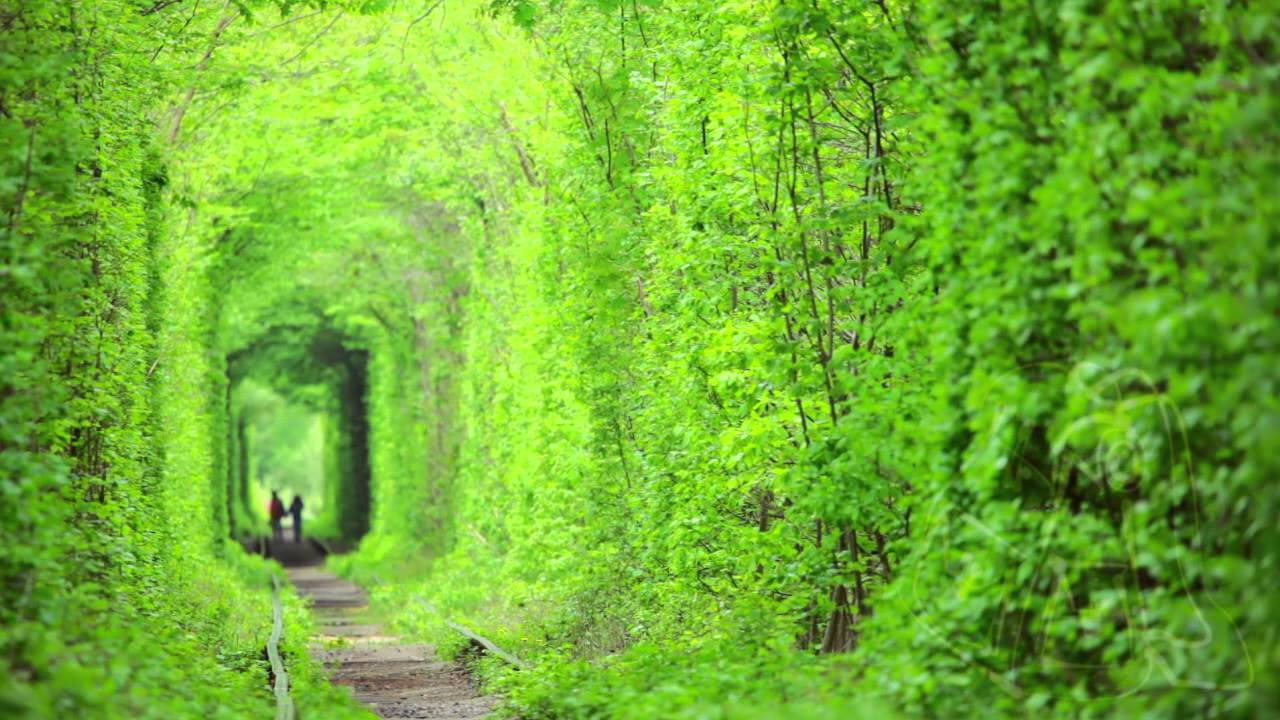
(160, 5)
(315, 39)
(417, 20)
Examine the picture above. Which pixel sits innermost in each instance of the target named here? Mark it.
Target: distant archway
(312, 363)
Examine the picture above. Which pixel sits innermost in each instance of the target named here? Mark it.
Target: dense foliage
(720, 359)
(119, 595)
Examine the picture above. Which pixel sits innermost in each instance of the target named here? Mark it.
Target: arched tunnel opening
(297, 422)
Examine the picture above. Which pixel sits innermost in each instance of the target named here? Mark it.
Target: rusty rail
(470, 634)
(284, 702)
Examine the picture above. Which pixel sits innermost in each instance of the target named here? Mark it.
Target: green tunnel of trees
(721, 359)
(311, 362)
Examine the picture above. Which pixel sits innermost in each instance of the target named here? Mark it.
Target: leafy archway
(310, 362)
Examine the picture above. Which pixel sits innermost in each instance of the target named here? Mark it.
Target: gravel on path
(393, 678)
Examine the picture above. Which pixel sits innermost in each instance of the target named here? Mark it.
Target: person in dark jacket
(295, 509)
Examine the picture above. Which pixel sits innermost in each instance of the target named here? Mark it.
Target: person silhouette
(275, 510)
(295, 509)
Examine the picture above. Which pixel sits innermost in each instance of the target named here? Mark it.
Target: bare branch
(160, 5)
(315, 39)
(420, 18)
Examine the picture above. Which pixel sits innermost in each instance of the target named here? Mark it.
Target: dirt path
(395, 679)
